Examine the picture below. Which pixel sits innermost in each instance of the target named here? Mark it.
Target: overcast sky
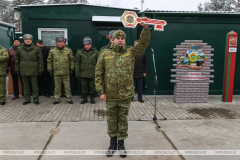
(174, 5)
(171, 5)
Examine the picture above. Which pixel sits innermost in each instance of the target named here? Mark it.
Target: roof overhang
(73, 4)
(106, 19)
(7, 24)
(193, 13)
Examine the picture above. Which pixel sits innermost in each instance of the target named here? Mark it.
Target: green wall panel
(209, 30)
(6, 35)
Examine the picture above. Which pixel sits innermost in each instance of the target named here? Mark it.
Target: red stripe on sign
(226, 68)
(231, 77)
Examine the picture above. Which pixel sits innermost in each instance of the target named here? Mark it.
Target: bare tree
(237, 6)
(218, 5)
(200, 7)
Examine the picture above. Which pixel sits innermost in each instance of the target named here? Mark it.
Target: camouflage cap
(119, 33)
(59, 39)
(87, 40)
(27, 36)
(111, 34)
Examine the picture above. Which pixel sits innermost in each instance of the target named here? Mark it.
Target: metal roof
(72, 4)
(204, 12)
(7, 24)
(106, 19)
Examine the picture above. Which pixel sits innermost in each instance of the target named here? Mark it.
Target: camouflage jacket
(3, 59)
(85, 62)
(28, 60)
(105, 47)
(114, 69)
(60, 61)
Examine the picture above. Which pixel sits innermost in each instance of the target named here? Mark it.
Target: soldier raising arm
(114, 84)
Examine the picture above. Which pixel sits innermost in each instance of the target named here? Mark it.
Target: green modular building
(211, 27)
(76, 21)
(7, 34)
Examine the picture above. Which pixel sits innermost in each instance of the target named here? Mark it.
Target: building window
(48, 35)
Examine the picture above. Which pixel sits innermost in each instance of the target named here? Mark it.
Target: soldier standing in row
(85, 62)
(114, 84)
(11, 64)
(3, 59)
(43, 80)
(110, 41)
(29, 64)
(60, 63)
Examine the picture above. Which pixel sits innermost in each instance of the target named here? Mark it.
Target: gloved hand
(18, 73)
(77, 75)
(71, 72)
(51, 73)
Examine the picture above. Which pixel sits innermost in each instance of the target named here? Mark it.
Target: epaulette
(52, 48)
(105, 51)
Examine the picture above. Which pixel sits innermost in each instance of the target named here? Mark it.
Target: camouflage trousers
(58, 81)
(28, 82)
(3, 88)
(117, 118)
(88, 85)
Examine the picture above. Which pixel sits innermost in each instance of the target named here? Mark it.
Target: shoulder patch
(125, 55)
(109, 57)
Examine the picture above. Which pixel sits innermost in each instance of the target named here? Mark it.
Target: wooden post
(229, 66)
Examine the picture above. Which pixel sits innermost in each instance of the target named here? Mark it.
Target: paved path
(14, 111)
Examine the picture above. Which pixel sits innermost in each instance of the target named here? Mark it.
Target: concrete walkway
(213, 126)
(14, 111)
(91, 135)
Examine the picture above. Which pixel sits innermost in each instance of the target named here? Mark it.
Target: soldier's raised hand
(143, 24)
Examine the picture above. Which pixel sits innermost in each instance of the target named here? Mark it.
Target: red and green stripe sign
(229, 67)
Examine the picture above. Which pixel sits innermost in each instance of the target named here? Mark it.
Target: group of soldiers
(110, 71)
(35, 64)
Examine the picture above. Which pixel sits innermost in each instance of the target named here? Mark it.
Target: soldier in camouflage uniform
(85, 62)
(61, 65)
(63, 94)
(3, 59)
(114, 84)
(110, 41)
(29, 64)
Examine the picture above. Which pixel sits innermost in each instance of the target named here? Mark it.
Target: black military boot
(55, 102)
(36, 102)
(70, 102)
(3, 103)
(121, 149)
(113, 147)
(25, 102)
(84, 99)
(92, 98)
